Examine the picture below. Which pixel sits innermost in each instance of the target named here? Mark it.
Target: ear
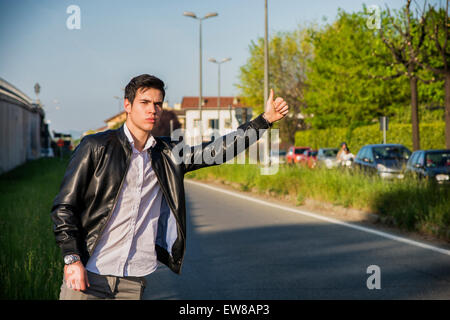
(127, 105)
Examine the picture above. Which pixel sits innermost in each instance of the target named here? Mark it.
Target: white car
(278, 156)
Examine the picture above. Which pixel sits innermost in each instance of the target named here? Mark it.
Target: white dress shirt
(127, 244)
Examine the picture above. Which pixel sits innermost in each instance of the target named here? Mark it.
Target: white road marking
(327, 219)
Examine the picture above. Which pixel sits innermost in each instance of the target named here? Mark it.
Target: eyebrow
(146, 100)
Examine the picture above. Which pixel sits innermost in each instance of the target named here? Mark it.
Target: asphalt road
(238, 249)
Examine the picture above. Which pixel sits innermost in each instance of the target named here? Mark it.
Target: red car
(309, 158)
(296, 154)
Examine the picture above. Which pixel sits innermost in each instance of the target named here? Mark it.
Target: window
(330, 152)
(227, 123)
(369, 154)
(414, 157)
(196, 123)
(438, 159)
(300, 151)
(361, 154)
(391, 153)
(421, 159)
(213, 123)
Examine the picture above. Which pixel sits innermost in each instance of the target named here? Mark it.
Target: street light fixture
(200, 98)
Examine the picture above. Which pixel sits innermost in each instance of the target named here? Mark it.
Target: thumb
(270, 99)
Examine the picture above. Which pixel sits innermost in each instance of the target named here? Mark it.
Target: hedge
(432, 136)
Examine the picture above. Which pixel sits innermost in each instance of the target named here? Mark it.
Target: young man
(121, 205)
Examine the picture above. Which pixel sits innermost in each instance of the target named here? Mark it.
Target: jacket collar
(150, 143)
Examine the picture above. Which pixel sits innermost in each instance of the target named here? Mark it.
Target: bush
(431, 136)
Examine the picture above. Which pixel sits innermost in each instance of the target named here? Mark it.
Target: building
(214, 119)
(23, 132)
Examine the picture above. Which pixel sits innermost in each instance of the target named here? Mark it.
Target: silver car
(326, 157)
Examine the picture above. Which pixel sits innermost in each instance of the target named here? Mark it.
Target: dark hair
(143, 81)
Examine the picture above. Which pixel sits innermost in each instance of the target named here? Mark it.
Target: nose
(151, 108)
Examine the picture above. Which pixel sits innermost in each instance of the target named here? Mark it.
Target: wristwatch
(71, 258)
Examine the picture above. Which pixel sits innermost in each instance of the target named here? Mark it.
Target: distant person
(121, 204)
(343, 151)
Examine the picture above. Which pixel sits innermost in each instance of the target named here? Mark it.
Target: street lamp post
(200, 98)
(218, 82)
(266, 76)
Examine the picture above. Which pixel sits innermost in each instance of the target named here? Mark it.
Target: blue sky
(80, 71)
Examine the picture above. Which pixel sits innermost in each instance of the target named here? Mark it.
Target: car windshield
(282, 153)
(438, 159)
(391, 153)
(300, 151)
(313, 153)
(330, 153)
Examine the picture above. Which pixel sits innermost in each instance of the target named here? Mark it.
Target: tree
(435, 57)
(402, 35)
(288, 56)
(342, 89)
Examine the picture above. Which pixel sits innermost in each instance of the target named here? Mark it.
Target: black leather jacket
(94, 177)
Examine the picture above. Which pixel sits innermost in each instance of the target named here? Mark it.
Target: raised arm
(232, 144)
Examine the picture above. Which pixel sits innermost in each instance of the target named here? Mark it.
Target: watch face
(68, 259)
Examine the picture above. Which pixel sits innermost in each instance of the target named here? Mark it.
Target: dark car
(326, 157)
(386, 160)
(433, 165)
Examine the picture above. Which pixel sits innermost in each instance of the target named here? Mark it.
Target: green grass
(30, 261)
(408, 204)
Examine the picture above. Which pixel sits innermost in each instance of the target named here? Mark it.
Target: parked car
(386, 160)
(433, 165)
(309, 158)
(326, 157)
(295, 154)
(278, 156)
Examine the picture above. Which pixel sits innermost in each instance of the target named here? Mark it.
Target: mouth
(151, 120)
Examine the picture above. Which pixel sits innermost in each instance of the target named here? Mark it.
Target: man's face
(146, 109)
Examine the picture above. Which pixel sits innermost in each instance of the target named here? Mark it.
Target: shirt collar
(149, 144)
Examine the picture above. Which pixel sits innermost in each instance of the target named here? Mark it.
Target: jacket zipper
(112, 210)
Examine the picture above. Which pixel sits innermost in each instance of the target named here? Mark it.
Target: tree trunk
(414, 113)
(447, 110)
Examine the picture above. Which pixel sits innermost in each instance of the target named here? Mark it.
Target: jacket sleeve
(69, 203)
(226, 147)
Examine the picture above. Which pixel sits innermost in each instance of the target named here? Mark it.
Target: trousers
(106, 288)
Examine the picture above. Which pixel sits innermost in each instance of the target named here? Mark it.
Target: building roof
(212, 102)
(115, 116)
